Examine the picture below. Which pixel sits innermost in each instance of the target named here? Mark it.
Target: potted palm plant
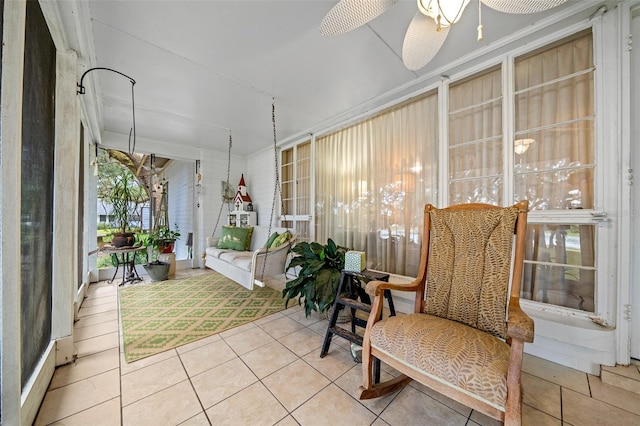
(122, 198)
(320, 268)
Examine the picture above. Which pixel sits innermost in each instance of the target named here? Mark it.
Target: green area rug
(163, 315)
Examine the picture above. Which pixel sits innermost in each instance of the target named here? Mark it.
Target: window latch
(599, 216)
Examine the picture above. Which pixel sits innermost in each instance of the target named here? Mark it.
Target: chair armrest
(376, 288)
(519, 325)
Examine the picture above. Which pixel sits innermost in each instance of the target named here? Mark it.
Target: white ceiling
(203, 68)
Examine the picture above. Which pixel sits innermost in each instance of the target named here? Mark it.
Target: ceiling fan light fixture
(444, 12)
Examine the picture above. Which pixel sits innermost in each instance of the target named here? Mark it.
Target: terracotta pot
(125, 239)
(167, 247)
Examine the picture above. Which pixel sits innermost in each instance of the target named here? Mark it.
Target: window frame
(293, 217)
(605, 159)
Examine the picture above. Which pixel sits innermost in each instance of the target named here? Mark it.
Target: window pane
(287, 205)
(476, 123)
(559, 265)
(476, 160)
(287, 156)
(303, 185)
(303, 230)
(287, 181)
(570, 145)
(556, 61)
(287, 172)
(485, 190)
(556, 190)
(561, 102)
(476, 90)
(475, 139)
(554, 160)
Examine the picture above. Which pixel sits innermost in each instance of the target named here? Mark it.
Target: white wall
(260, 180)
(181, 176)
(213, 168)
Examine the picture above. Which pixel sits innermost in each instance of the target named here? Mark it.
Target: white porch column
(65, 205)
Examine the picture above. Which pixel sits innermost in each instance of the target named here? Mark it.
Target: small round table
(125, 257)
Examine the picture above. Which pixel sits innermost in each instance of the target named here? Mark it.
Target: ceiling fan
(430, 25)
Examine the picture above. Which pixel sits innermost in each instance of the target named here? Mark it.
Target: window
(554, 168)
(475, 140)
(553, 162)
(296, 190)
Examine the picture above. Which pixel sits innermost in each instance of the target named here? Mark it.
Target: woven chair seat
(473, 361)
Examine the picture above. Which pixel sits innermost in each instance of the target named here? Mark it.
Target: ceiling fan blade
(348, 15)
(422, 41)
(522, 6)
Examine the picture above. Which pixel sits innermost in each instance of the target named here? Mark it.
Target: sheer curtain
(373, 180)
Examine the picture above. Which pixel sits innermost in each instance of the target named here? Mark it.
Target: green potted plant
(156, 269)
(163, 238)
(320, 268)
(122, 198)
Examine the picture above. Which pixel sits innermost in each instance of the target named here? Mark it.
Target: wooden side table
(357, 300)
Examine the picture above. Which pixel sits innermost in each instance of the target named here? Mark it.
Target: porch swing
(268, 252)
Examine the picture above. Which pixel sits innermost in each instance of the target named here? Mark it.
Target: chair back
(470, 254)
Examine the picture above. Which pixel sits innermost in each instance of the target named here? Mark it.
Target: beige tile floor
(269, 372)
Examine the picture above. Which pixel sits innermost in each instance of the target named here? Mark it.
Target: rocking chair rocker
(466, 337)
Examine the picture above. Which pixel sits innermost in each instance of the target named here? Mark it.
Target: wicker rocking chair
(466, 336)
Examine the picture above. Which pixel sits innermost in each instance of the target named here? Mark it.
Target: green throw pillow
(283, 238)
(271, 240)
(235, 238)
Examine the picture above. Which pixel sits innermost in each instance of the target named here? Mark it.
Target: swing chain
(226, 183)
(277, 188)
